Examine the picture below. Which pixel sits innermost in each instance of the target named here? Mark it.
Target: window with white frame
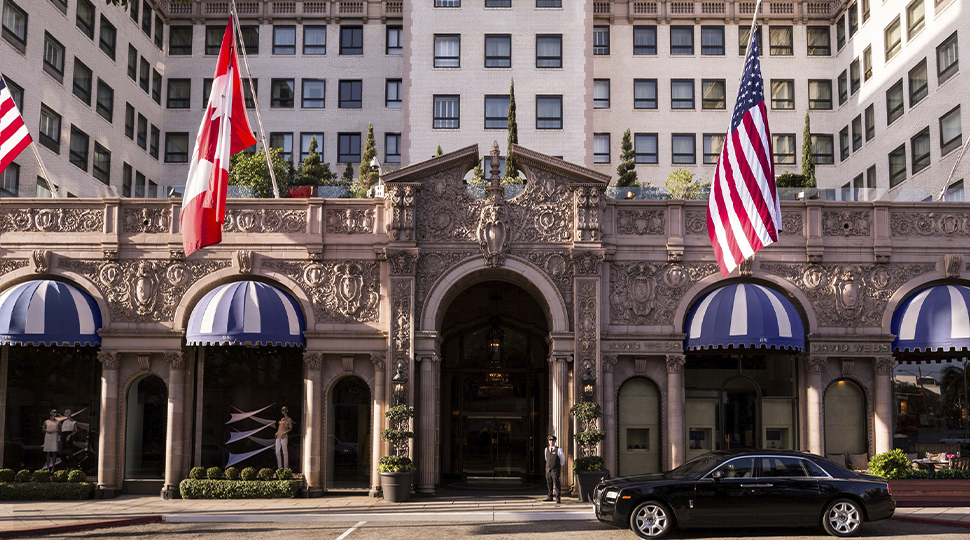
(447, 112)
(947, 58)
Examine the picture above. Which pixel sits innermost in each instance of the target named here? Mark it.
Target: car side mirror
(717, 475)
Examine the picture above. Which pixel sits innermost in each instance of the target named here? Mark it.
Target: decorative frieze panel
(695, 222)
(848, 295)
(340, 291)
(929, 224)
(402, 262)
(557, 266)
(143, 290)
(401, 321)
(590, 201)
(265, 220)
(587, 325)
(792, 223)
(350, 221)
(147, 220)
(641, 222)
(9, 265)
(52, 220)
(648, 293)
(846, 223)
(431, 265)
(400, 201)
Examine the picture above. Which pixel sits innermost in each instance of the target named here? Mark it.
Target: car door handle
(756, 485)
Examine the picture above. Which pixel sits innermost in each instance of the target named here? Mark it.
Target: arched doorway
(494, 385)
(348, 436)
(638, 419)
(145, 423)
(845, 418)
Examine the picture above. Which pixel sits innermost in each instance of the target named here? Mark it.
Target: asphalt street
(550, 530)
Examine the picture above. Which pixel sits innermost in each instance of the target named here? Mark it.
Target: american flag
(13, 133)
(743, 212)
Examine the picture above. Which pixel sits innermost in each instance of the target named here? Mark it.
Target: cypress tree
(808, 160)
(626, 171)
(511, 171)
(368, 174)
(438, 152)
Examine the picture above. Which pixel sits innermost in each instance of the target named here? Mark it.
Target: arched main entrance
(494, 384)
(348, 440)
(145, 422)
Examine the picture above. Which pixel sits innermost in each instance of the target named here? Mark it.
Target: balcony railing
(288, 8)
(724, 9)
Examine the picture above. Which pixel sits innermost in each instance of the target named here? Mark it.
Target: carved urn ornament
(493, 231)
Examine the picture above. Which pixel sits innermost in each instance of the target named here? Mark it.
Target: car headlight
(612, 495)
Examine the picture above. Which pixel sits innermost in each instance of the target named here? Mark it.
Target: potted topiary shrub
(397, 470)
(590, 468)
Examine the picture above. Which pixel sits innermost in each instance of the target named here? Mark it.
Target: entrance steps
(142, 487)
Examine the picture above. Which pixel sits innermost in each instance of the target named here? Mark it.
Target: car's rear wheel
(843, 517)
(651, 520)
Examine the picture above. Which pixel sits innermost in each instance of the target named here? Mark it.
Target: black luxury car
(757, 488)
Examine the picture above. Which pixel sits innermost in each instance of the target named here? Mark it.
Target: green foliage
(60, 476)
(791, 180)
(891, 465)
(398, 435)
(368, 174)
(7, 475)
(478, 176)
(395, 464)
(511, 169)
(248, 474)
(313, 172)
(77, 476)
(238, 489)
(47, 491)
(197, 473)
(348, 177)
(589, 438)
(266, 474)
(42, 476)
(232, 473)
(588, 412)
(681, 184)
(808, 160)
(251, 170)
(438, 151)
(213, 473)
(626, 171)
(284, 474)
(399, 414)
(23, 475)
(589, 463)
(125, 3)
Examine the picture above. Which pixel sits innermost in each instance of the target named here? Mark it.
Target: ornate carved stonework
(340, 291)
(313, 360)
(791, 223)
(402, 262)
(52, 220)
(8, 265)
(695, 222)
(378, 361)
(430, 266)
(847, 365)
(175, 359)
(848, 295)
(846, 223)
(244, 260)
(588, 264)
(108, 359)
(587, 325)
(265, 220)
(641, 222)
(816, 364)
(144, 289)
(746, 267)
(929, 224)
(557, 265)
(648, 293)
(350, 221)
(609, 363)
(589, 202)
(400, 201)
(675, 363)
(41, 259)
(883, 365)
(494, 233)
(401, 321)
(147, 220)
(952, 263)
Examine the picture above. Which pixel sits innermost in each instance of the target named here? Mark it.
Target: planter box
(587, 483)
(396, 486)
(937, 493)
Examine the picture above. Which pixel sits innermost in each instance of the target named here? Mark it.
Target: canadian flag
(224, 131)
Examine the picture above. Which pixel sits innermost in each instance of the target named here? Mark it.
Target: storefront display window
(931, 406)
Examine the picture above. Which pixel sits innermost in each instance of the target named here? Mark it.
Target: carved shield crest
(348, 283)
(642, 293)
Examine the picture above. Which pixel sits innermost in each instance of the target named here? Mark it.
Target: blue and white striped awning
(934, 320)
(744, 315)
(45, 312)
(246, 313)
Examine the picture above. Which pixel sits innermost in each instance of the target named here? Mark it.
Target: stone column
(813, 382)
(883, 421)
(608, 399)
(428, 422)
(4, 361)
(560, 407)
(313, 423)
(108, 482)
(676, 441)
(378, 449)
(175, 444)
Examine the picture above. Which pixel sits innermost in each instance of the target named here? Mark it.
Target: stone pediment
(530, 160)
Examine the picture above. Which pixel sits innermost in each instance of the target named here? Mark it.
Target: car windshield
(696, 466)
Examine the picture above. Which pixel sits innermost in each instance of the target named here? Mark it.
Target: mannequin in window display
(282, 440)
(52, 428)
(68, 427)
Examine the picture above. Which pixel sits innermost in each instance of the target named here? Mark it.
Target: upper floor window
(947, 58)
(180, 40)
(447, 51)
(823, 149)
(447, 3)
(393, 97)
(840, 33)
(548, 112)
(683, 148)
(601, 93)
(548, 3)
(744, 33)
(920, 145)
(80, 143)
(395, 40)
(314, 40)
(159, 32)
(176, 148)
(682, 40)
(313, 94)
(950, 130)
(350, 94)
(867, 63)
(213, 39)
(146, 18)
(780, 41)
(106, 101)
(283, 92)
(549, 51)
(682, 94)
(85, 17)
(820, 94)
(870, 120)
(853, 20)
(15, 25)
(914, 18)
(894, 102)
(645, 93)
(601, 148)
(712, 147)
(348, 148)
(498, 51)
(712, 94)
(645, 147)
(284, 40)
(784, 147)
(179, 93)
(108, 38)
(893, 39)
(601, 40)
(50, 128)
(498, 3)
(712, 40)
(644, 40)
(352, 40)
(392, 148)
(10, 181)
(917, 83)
(819, 41)
(250, 38)
(447, 112)
(855, 78)
(53, 57)
(782, 94)
(496, 112)
(83, 81)
(897, 166)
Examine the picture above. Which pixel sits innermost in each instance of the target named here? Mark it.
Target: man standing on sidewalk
(554, 461)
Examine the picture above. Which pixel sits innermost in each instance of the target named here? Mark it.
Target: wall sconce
(494, 337)
(589, 386)
(630, 194)
(400, 384)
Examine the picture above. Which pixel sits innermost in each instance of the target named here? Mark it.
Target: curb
(75, 527)
(931, 521)
(479, 517)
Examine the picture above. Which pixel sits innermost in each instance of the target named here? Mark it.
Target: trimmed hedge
(7, 475)
(248, 474)
(46, 491)
(238, 489)
(266, 474)
(214, 473)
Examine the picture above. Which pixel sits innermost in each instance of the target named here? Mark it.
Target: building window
(844, 144)
(712, 40)
(712, 147)
(80, 143)
(447, 51)
(180, 40)
(351, 40)
(53, 57)
(250, 39)
(954, 192)
(853, 20)
(125, 180)
(314, 93)
(782, 94)
(870, 116)
(249, 92)
(156, 87)
(920, 145)
(139, 184)
(348, 148)
(712, 94)
(549, 51)
(893, 39)
(823, 149)
(682, 40)
(682, 145)
(395, 40)
(284, 143)
(144, 74)
(153, 142)
(350, 94)
(108, 38)
(179, 93)
(947, 58)
(897, 166)
(129, 121)
(105, 105)
(548, 3)
(917, 83)
(601, 93)
(871, 177)
(82, 81)
(393, 96)
(784, 147)
(644, 93)
(950, 131)
(548, 112)
(857, 133)
(682, 94)
(498, 3)
(867, 63)
(392, 148)
(132, 9)
(305, 140)
(645, 147)
(146, 19)
(914, 18)
(601, 148)
(894, 102)
(16, 93)
(498, 51)
(15, 25)
(447, 3)
(85, 17)
(865, 13)
(843, 87)
(447, 112)
(141, 138)
(840, 33)
(855, 78)
(819, 41)
(50, 129)
(744, 32)
(820, 95)
(132, 63)
(601, 40)
(780, 41)
(176, 148)
(10, 181)
(102, 164)
(496, 112)
(284, 40)
(282, 93)
(314, 40)
(213, 39)
(644, 40)
(159, 32)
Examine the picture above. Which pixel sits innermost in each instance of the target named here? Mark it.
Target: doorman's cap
(551, 438)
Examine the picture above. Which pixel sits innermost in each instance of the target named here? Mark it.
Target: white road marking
(350, 530)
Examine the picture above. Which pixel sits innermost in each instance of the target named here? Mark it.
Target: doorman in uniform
(554, 461)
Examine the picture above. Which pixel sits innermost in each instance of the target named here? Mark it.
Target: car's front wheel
(842, 517)
(651, 520)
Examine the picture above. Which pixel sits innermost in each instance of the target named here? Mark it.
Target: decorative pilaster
(813, 368)
(428, 422)
(313, 463)
(609, 412)
(108, 435)
(883, 421)
(560, 405)
(175, 444)
(378, 446)
(675, 409)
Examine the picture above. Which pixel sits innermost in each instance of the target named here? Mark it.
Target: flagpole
(259, 120)
(953, 170)
(43, 169)
(754, 23)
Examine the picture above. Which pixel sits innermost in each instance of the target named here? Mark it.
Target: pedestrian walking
(554, 460)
